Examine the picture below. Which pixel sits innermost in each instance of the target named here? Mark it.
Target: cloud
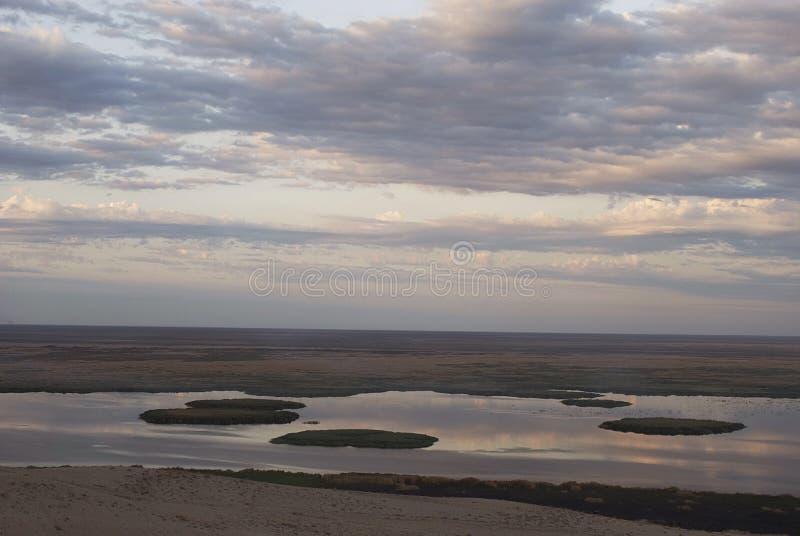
(389, 216)
(28, 219)
(56, 8)
(37, 161)
(136, 184)
(754, 226)
(531, 96)
(733, 248)
(45, 71)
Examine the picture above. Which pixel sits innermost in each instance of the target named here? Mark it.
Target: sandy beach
(133, 500)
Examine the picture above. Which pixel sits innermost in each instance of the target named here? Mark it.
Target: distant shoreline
(317, 363)
(15, 325)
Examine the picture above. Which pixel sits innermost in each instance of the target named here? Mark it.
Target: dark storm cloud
(533, 96)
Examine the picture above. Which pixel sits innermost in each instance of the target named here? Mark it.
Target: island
(227, 411)
(595, 403)
(379, 439)
(669, 426)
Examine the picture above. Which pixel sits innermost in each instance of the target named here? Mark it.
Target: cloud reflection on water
(492, 437)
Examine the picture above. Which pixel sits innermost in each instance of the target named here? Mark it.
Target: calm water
(485, 437)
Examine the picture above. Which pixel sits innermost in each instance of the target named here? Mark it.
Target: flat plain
(339, 363)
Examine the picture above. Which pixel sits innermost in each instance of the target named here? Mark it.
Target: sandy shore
(135, 501)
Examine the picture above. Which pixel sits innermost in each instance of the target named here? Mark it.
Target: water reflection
(490, 437)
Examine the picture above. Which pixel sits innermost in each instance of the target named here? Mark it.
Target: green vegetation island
(377, 439)
(227, 411)
(669, 426)
(590, 403)
(698, 510)
(221, 417)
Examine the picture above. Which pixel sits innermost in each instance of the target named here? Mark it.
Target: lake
(479, 436)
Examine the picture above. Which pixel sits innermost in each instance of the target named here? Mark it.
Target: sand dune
(135, 501)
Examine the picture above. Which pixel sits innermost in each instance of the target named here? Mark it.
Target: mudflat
(339, 363)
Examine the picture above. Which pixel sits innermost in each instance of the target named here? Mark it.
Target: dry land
(134, 501)
(338, 363)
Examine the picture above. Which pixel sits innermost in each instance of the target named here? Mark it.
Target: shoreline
(540, 395)
(135, 500)
(328, 393)
(675, 507)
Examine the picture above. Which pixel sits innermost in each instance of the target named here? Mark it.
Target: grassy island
(227, 411)
(379, 439)
(595, 403)
(267, 404)
(668, 426)
(224, 416)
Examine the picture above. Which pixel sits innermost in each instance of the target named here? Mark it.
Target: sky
(629, 166)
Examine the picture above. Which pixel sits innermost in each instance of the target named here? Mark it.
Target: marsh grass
(246, 403)
(595, 403)
(378, 439)
(669, 426)
(227, 411)
(224, 417)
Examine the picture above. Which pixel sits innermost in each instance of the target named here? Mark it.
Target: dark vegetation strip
(669, 426)
(222, 417)
(246, 403)
(698, 510)
(360, 438)
(587, 403)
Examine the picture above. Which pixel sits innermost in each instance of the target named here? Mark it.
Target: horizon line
(8, 324)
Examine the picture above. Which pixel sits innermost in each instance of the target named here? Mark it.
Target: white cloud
(389, 216)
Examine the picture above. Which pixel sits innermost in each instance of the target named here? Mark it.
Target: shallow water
(485, 437)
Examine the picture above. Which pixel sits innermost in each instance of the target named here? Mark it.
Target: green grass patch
(378, 439)
(305, 480)
(668, 426)
(595, 403)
